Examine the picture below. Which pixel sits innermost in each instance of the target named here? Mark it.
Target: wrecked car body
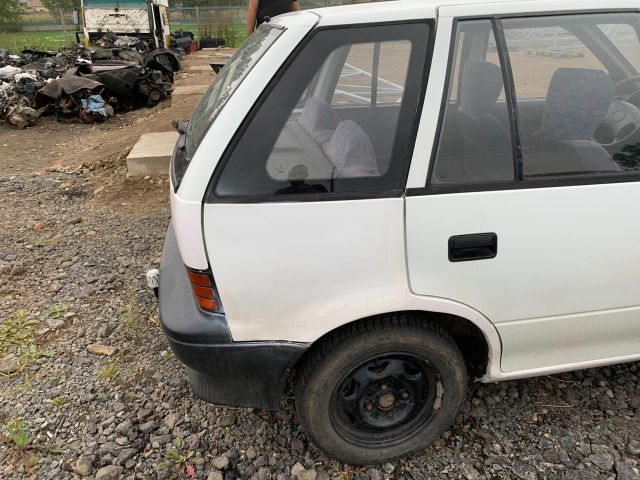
(89, 83)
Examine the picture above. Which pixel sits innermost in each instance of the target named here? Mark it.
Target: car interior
(584, 119)
(343, 140)
(587, 122)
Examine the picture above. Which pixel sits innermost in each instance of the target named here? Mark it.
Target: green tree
(10, 12)
(61, 7)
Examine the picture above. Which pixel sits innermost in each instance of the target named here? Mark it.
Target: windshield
(227, 81)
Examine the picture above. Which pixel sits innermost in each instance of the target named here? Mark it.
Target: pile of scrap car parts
(90, 83)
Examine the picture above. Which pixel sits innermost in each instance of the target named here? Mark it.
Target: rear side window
(338, 120)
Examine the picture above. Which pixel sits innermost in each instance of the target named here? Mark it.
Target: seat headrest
(481, 86)
(578, 100)
(351, 152)
(318, 120)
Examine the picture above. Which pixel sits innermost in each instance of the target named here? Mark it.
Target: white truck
(144, 19)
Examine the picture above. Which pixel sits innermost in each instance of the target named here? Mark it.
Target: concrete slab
(201, 68)
(151, 155)
(186, 90)
(190, 89)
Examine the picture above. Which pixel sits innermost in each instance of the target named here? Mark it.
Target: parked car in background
(385, 200)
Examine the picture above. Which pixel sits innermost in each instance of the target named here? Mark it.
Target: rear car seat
(351, 151)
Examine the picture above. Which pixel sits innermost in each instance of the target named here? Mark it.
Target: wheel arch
(474, 334)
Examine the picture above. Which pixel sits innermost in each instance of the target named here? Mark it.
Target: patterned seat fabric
(318, 120)
(481, 86)
(577, 103)
(351, 151)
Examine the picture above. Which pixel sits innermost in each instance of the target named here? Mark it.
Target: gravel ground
(98, 394)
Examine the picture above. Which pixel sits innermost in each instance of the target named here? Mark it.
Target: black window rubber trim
(528, 183)
(510, 95)
(210, 197)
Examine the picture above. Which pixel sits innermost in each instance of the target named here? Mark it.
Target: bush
(221, 24)
(10, 27)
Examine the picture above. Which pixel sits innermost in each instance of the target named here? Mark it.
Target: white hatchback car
(386, 199)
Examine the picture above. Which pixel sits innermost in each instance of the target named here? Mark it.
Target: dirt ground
(102, 148)
(54, 144)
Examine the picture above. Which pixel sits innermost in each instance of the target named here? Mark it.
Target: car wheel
(380, 389)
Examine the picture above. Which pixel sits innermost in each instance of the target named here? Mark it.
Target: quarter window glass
(475, 142)
(373, 74)
(354, 83)
(339, 119)
(392, 71)
(577, 94)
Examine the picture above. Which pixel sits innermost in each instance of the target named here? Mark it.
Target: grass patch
(60, 401)
(23, 457)
(45, 242)
(18, 335)
(178, 457)
(18, 433)
(168, 355)
(56, 310)
(109, 372)
(48, 40)
(18, 332)
(130, 316)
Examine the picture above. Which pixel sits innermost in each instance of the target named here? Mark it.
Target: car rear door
(533, 228)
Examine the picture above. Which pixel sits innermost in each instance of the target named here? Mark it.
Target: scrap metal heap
(116, 74)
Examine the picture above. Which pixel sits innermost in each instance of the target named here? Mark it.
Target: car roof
(399, 10)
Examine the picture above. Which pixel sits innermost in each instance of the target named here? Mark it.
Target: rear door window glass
(624, 37)
(475, 141)
(578, 93)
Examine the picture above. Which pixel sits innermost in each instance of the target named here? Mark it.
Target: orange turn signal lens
(203, 292)
(199, 279)
(207, 303)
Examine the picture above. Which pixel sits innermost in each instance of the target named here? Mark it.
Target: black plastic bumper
(221, 371)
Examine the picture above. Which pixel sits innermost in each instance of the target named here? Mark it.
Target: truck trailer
(145, 19)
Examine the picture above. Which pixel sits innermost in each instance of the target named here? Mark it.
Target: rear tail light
(204, 290)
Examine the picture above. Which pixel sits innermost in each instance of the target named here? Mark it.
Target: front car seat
(578, 100)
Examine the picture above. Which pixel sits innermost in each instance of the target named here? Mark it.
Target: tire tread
(396, 322)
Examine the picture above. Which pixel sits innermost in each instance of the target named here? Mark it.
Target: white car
(385, 200)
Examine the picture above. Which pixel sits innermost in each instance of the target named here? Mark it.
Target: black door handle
(476, 246)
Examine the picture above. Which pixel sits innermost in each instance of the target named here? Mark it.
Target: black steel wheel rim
(386, 399)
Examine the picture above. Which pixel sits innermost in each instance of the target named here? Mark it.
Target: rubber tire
(334, 356)
(208, 42)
